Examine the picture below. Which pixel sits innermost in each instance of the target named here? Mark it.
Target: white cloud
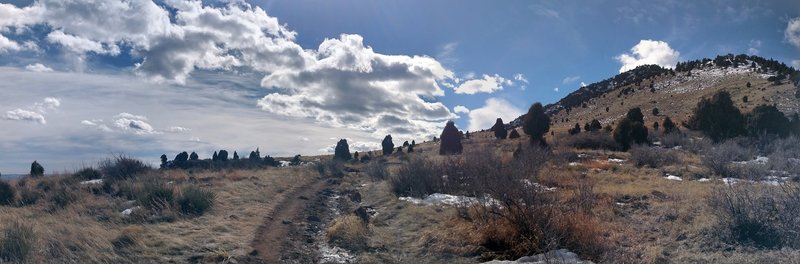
(546, 12)
(583, 84)
(82, 45)
(36, 112)
(754, 47)
(8, 45)
(570, 79)
(134, 124)
(488, 84)
(130, 116)
(649, 52)
(460, 109)
(555, 89)
(25, 115)
(38, 67)
(177, 129)
(796, 64)
(792, 33)
(521, 78)
(485, 117)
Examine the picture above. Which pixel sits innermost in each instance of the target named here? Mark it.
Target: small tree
(451, 140)
(36, 169)
(575, 130)
(405, 144)
(655, 111)
(388, 145)
(748, 84)
(355, 155)
(745, 99)
(536, 124)
(235, 155)
(193, 156)
(669, 126)
(410, 148)
(767, 119)
(595, 125)
(254, 155)
(296, 161)
(413, 143)
(180, 159)
(342, 151)
(222, 155)
(717, 117)
(499, 129)
(635, 115)
(163, 161)
(655, 125)
(514, 134)
(215, 157)
(631, 129)
(270, 161)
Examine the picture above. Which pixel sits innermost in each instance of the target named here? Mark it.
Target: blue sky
(86, 79)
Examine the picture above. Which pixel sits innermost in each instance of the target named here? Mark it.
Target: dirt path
(271, 236)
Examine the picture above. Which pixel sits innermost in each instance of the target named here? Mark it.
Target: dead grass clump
(376, 169)
(128, 237)
(122, 167)
(88, 173)
(348, 232)
(653, 157)
(155, 196)
(330, 167)
(17, 242)
(195, 201)
(7, 193)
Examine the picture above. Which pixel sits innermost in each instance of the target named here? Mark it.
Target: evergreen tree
(355, 155)
(499, 129)
(536, 124)
(406, 144)
(575, 130)
(766, 119)
(717, 117)
(36, 169)
(514, 134)
(342, 151)
(222, 155)
(410, 148)
(631, 129)
(180, 159)
(655, 111)
(655, 126)
(451, 140)
(669, 126)
(215, 157)
(388, 145)
(163, 161)
(296, 160)
(270, 161)
(413, 143)
(193, 156)
(235, 155)
(595, 125)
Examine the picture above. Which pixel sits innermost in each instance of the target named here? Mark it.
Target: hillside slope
(676, 92)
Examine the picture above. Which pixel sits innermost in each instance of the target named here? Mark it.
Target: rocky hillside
(751, 80)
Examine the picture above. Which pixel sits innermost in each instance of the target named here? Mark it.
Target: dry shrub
(757, 214)
(7, 193)
(128, 236)
(348, 232)
(653, 157)
(719, 157)
(671, 140)
(195, 201)
(122, 167)
(376, 169)
(594, 140)
(330, 167)
(17, 242)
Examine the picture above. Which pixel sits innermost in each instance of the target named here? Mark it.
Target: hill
(676, 92)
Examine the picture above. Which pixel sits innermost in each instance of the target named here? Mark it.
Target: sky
(83, 80)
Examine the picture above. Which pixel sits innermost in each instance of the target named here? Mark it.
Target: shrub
(759, 215)
(514, 134)
(61, 197)
(330, 167)
(655, 111)
(195, 201)
(222, 155)
(7, 193)
(348, 232)
(670, 140)
(155, 195)
(669, 126)
(591, 141)
(28, 197)
(575, 130)
(123, 167)
(451, 140)
(717, 117)
(17, 243)
(36, 169)
(377, 170)
(653, 157)
(499, 129)
(270, 161)
(193, 156)
(536, 124)
(388, 145)
(719, 157)
(87, 174)
(767, 120)
(342, 151)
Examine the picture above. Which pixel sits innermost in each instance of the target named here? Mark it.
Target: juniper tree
(717, 117)
(499, 129)
(536, 124)
(451, 140)
(388, 145)
(193, 156)
(235, 155)
(215, 157)
(514, 134)
(342, 151)
(669, 126)
(222, 155)
(36, 169)
(163, 161)
(631, 129)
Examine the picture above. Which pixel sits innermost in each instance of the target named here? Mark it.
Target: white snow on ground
(335, 255)
(760, 160)
(538, 186)
(447, 199)
(673, 177)
(573, 164)
(127, 212)
(769, 180)
(559, 256)
(284, 163)
(616, 160)
(704, 180)
(97, 181)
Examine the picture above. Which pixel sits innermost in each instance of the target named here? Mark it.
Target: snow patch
(97, 181)
(127, 212)
(704, 180)
(559, 256)
(447, 199)
(673, 177)
(335, 255)
(616, 160)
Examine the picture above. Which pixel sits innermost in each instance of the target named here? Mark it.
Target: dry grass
(91, 228)
(349, 232)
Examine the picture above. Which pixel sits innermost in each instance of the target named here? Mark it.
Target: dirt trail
(271, 236)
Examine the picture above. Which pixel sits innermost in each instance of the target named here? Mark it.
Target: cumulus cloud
(488, 84)
(520, 78)
(25, 115)
(460, 109)
(649, 52)
(177, 129)
(35, 112)
(792, 32)
(134, 123)
(38, 67)
(570, 79)
(484, 117)
(555, 89)
(583, 84)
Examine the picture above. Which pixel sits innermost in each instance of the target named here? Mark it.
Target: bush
(719, 157)
(717, 117)
(499, 129)
(767, 120)
(630, 131)
(591, 141)
(36, 169)
(759, 215)
(28, 197)
(388, 145)
(123, 167)
(653, 157)
(195, 201)
(154, 195)
(669, 126)
(61, 197)
(670, 140)
(17, 242)
(536, 124)
(87, 174)
(514, 134)
(7, 193)
(377, 170)
(330, 167)
(451, 140)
